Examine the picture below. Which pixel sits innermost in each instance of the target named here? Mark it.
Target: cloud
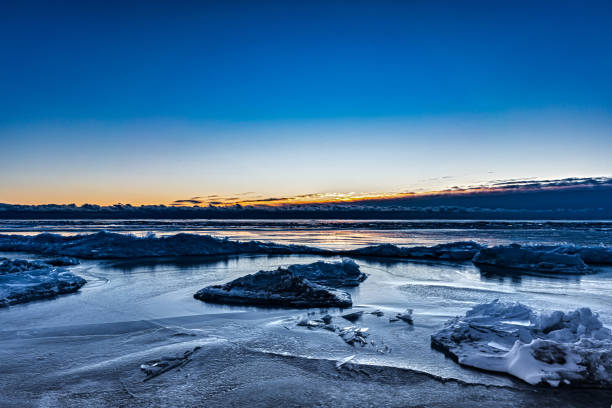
(193, 200)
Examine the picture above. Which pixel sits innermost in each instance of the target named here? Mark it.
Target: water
(341, 234)
(161, 290)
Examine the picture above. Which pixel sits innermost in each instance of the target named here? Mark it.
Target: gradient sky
(149, 102)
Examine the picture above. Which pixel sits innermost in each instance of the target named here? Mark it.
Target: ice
(22, 281)
(595, 255)
(571, 348)
(405, 316)
(454, 251)
(62, 261)
(104, 245)
(529, 259)
(156, 367)
(335, 274)
(353, 316)
(275, 288)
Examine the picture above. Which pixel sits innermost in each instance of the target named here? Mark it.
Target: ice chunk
(354, 316)
(354, 335)
(570, 348)
(524, 258)
(275, 288)
(22, 281)
(335, 274)
(405, 316)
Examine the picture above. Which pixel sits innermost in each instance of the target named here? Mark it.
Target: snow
(23, 281)
(335, 274)
(275, 288)
(572, 348)
(525, 258)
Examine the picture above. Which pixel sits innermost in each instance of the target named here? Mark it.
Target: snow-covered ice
(275, 288)
(529, 259)
(335, 274)
(572, 348)
(22, 281)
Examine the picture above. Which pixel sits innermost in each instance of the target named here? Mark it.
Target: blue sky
(155, 101)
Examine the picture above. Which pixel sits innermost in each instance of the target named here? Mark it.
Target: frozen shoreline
(225, 373)
(107, 245)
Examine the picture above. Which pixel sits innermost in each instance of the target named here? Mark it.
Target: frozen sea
(85, 349)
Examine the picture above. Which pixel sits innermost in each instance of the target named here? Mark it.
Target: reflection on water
(341, 234)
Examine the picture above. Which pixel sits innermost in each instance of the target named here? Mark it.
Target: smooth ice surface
(571, 348)
(22, 281)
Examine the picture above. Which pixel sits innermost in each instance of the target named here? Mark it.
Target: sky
(151, 102)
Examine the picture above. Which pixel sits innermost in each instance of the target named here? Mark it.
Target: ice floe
(280, 287)
(529, 259)
(454, 251)
(571, 348)
(22, 281)
(103, 245)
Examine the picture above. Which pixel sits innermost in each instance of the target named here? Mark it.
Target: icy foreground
(22, 281)
(525, 258)
(571, 348)
(335, 274)
(275, 288)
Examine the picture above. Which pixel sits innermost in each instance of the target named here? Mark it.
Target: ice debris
(153, 368)
(23, 281)
(352, 335)
(515, 257)
(405, 316)
(571, 348)
(275, 288)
